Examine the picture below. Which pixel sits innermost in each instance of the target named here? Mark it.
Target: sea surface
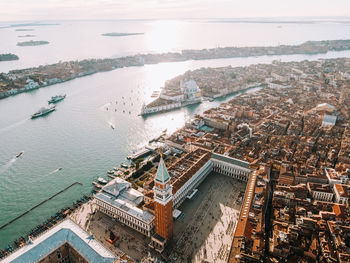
(78, 136)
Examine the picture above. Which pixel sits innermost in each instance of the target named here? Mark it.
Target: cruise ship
(43, 111)
(57, 98)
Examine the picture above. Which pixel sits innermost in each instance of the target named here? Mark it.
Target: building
(191, 91)
(172, 186)
(249, 239)
(278, 85)
(325, 107)
(235, 168)
(66, 242)
(147, 109)
(188, 173)
(31, 84)
(321, 192)
(341, 192)
(12, 92)
(163, 208)
(119, 200)
(329, 120)
(172, 95)
(334, 177)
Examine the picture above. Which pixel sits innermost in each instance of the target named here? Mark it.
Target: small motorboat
(18, 155)
(125, 166)
(112, 126)
(98, 186)
(101, 180)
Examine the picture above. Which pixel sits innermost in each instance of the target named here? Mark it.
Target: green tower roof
(162, 175)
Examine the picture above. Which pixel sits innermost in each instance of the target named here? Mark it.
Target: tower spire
(163, 202)
(162, 175)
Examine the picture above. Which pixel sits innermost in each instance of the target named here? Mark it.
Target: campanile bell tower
(163, 203)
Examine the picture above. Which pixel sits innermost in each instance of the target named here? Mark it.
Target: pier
(37, 205)
(144, 151)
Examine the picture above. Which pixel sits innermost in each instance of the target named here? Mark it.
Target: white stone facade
(192, 183)
(166, 107)
(125, 218)
(322, 196)
(231, 169)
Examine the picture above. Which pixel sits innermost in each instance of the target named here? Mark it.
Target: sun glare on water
(164, 35)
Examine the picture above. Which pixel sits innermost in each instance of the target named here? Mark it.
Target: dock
(144, 151)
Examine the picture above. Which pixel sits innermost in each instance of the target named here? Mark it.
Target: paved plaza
(205, 232)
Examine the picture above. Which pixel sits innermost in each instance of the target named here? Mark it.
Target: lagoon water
(77, 136)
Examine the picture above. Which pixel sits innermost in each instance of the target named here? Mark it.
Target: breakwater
(37, 205)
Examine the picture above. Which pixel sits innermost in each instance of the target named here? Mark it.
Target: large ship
(43, 111)
(57, 98)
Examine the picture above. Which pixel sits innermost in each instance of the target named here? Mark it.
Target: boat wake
(40, 178)
(8, 165)
(111, 124)
(14, 125)
(54, 171)
(105, 106)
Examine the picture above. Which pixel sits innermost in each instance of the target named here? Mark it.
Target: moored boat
(101, 180)
(98, 186)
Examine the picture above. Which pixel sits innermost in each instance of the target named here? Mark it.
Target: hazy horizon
(271, 19)
(24, 10)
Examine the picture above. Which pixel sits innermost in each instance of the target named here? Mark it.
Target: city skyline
(20, 10)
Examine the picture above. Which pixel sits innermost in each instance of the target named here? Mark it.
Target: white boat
(101, 180)
(43, 111)
(18, 155)
(122, 165)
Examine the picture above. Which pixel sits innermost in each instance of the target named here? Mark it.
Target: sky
(34, 10)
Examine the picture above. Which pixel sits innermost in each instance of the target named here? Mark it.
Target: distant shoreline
(114, 34)
(23, 80)
(32, 43)
(27, 36)
(24, 29)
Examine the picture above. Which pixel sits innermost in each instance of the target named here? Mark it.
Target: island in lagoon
(8, 57)
(27, 35)
(114, 34)
(33, 24)
(32, 43)
(24, 29)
